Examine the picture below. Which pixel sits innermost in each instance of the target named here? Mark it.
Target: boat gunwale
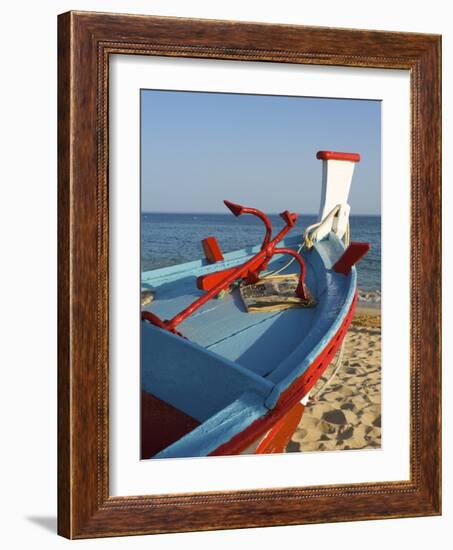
(202, 266)
(288, 399)
(285, 382)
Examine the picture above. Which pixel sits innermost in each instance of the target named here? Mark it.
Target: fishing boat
(232, 344)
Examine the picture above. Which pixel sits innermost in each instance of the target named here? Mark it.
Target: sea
(169, 239)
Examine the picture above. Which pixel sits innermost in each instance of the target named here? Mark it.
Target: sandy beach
(347, 413)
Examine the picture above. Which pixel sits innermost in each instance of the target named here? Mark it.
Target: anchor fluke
(290, 218)
(236, 209)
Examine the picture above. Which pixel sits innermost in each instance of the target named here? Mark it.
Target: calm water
(169, 239)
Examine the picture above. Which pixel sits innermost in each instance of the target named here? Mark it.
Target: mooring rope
(309, 239)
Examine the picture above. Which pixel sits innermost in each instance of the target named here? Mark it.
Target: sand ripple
(347, 415)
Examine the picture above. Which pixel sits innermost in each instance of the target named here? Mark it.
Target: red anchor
(249, 271)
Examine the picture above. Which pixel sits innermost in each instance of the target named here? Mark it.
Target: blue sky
(200, 148)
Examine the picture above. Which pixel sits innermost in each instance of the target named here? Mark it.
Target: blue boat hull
(237, 373)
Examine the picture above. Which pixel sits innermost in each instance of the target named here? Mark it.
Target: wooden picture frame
(85, 42)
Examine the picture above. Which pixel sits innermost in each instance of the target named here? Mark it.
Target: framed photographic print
(249, 274)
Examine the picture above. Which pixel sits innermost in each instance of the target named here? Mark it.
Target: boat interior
(232, 363)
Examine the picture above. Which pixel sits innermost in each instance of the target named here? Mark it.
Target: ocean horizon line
(229, 213)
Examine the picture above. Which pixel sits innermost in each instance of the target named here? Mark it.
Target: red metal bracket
(212, 250)
(351, 256)
(336, 155)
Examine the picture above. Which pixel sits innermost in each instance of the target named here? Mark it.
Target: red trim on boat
(212, 250)
(278, 437)
(292, 395)
(350, 257)
(336, 155)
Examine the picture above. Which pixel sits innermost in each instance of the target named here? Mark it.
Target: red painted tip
(237, 209)
(335, 155)
(289, 217)
(212, 250)
(351, 256)
(153, 319)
